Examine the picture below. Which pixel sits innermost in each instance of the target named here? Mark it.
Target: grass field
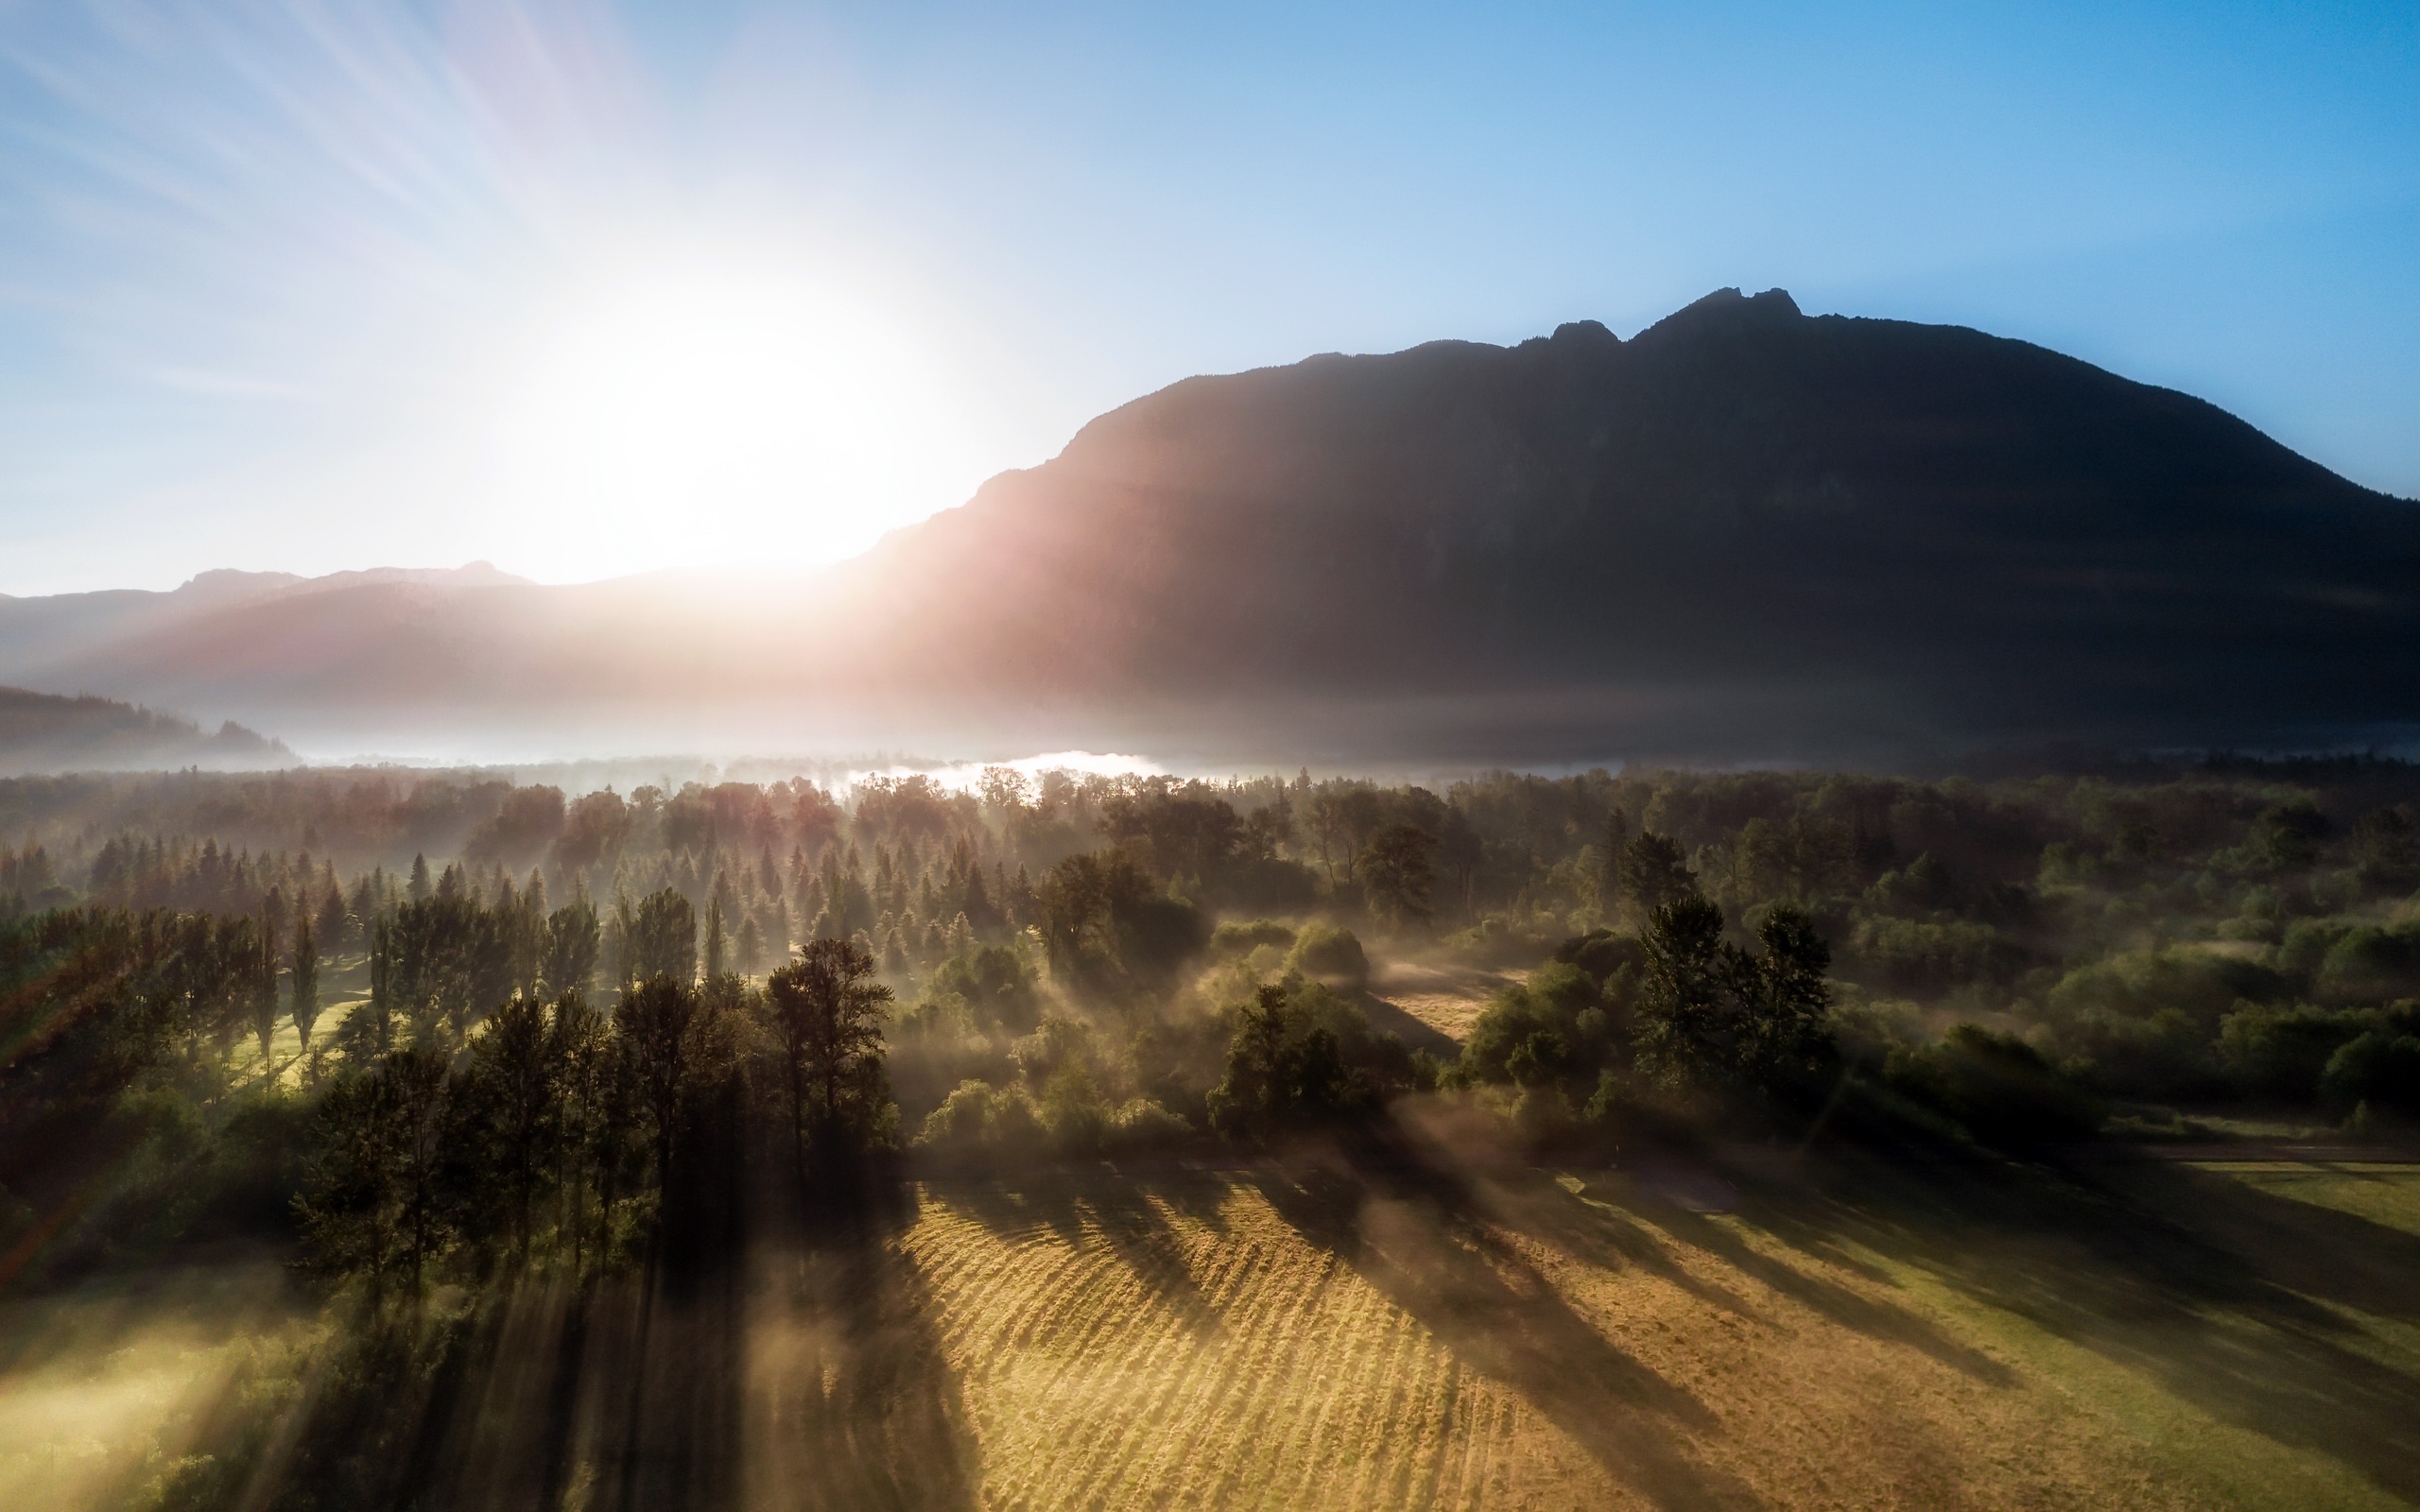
(2144, 1334)
(1308, 1339)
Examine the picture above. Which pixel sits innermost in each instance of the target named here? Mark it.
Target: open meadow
(1311, 1333)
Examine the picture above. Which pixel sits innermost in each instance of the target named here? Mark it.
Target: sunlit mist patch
(964, 776)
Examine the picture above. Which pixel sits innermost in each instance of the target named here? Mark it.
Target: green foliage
(2377, 1068)
(2280, 1051)
(1538, 1032)
(1711, 1017)
(995, 986)
(1234, 939)
(1109, 932)
(1287, 1073)
(2001, 1089)
(1332, 954)
(1396, 874)
(826, 1011)
(659, 938)
(1654, 873)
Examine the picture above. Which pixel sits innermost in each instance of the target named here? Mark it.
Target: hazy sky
(588, 289)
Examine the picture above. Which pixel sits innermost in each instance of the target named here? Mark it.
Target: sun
(715, 412)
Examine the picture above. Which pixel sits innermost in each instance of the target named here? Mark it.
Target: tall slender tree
(303, 983)
(827, 1010)
(262, 994)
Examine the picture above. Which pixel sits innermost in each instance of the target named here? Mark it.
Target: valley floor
(2140, 1333)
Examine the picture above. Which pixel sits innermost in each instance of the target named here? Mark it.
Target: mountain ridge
(42, 733)
(1743, 532)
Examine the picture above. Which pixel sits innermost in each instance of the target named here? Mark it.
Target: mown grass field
(1310, 1338)
(1303, 1333)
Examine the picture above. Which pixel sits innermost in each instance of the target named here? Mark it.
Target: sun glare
(725, 413)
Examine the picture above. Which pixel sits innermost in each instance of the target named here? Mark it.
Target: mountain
(45, 732)
(37, 631)
(1745, 533)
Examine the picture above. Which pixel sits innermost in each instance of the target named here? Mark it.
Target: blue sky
(587, 289)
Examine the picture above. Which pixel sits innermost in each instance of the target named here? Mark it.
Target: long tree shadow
(1128, 1211)
(1416, 1235)
(851, 1401)
(2142, 1265)
(1578, 1221)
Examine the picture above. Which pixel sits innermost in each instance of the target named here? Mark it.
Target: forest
(432, 1038)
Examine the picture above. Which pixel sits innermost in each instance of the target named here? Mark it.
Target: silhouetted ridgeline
(1744, 533)
(41, 731)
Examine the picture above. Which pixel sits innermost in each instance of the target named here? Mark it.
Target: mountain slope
(44, 732)
(1744, 519)
(1745, 532)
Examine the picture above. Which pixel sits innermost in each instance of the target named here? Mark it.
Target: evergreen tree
(305, 982)
(262, 992)
(514, 1070)
(571, 945)
(714, 935)
(663, 1024)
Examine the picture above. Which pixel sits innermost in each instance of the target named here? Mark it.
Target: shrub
(2280, 1051)
(994, 986)
(1285, 1071)
(2376, 1069)
(977, 1121)
(1330, 953)
(2003, 1090)
(1142, 1124)
(1235, 940)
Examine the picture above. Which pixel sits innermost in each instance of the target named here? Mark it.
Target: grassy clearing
(2385, 1194)
(1312, 1339)
(2147, 1333)
(1446, 998)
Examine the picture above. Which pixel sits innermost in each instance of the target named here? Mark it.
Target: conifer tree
(264, 981)
(305, 982)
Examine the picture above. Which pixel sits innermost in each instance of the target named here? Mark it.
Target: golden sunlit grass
(104, 1388)
(2387, 1195)
(1266, 1340)
(1449, 999)
(1306, 1335)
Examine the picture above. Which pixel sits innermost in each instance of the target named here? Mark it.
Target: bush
(1235, 940)
(1287, 1071)
(2001, 1089)
(1538, 1032)
(1142, 1124)
(2369, 965)
(980, 1121)
(994, 986)
(1331, 954)
(1601, 953)
(1072, 1110)
(1496, 941)
(2281, 1052)
(2375, 1068)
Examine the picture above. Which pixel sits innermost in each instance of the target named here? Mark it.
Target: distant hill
(1745, 532)
(46, 732)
